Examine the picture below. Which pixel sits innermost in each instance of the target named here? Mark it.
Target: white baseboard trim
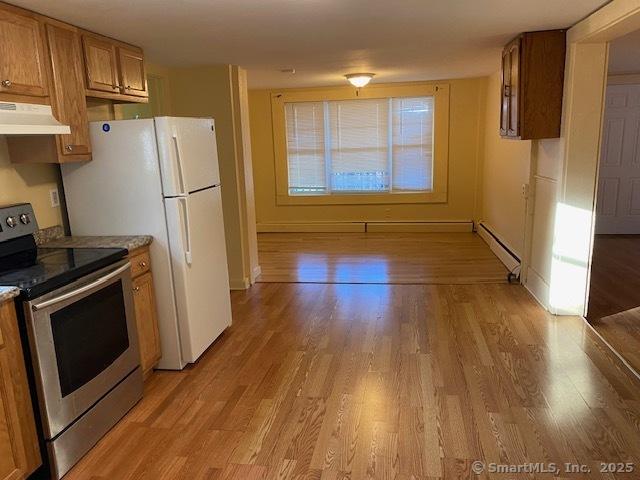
(239, 283)
(539, 288)
(316, 227)
(257, 270)
(420, 227)
(497, 247)
(361, 227)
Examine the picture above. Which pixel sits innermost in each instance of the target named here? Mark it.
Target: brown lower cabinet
(19, 450)
(145, 307)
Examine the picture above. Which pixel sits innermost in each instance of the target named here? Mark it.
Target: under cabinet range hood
(29, 119)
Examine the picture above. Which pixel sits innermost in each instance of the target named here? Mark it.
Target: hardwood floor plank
(380, 381)
(614, 294)
(435, 258)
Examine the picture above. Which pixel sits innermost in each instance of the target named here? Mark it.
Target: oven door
(83, 342)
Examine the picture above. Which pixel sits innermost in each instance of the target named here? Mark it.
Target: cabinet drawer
(140, 263)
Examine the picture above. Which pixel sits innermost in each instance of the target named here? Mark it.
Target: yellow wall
(505, 170)
(466, 105)
(29, 183)
(159, 100)
(217, 91)
(211, 91)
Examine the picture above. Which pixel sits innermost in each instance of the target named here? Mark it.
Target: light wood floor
(397, 258)
(622, 331)
(614, 296)
(380, 381)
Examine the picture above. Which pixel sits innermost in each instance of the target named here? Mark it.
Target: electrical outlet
(54, 197)
(525, 190)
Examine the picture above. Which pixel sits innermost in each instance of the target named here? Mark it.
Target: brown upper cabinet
(532, 85)
(67, 92)
(43, 60)
(68, 103)
(22, 54)
(113, 70)
(101, 68)
(132, 75)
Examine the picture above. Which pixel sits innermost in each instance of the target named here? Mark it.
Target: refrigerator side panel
(199, 259)
(119, 193)
(188, 154)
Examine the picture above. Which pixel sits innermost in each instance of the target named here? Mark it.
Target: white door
(618, 205)
(188, 154)
(199, 261)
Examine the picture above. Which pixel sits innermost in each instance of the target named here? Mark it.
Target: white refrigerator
(160, 177)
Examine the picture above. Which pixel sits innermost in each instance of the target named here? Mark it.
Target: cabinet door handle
(68, 148)
(136, 289)
(142, 264)
(6, 83)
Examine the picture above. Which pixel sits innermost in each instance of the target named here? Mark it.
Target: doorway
(614, 293)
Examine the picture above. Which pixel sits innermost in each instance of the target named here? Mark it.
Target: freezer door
(188, 154)
(199, 261)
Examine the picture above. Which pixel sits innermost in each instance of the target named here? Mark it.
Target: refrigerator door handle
(176, 141)
(187, 229)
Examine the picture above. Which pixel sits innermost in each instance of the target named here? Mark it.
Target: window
(382, 145)
(379, 145)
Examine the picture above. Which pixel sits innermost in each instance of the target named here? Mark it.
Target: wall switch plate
(54, 197)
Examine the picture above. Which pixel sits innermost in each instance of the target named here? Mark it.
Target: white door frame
(585, 82)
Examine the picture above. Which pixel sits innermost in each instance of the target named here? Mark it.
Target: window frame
(438, 194)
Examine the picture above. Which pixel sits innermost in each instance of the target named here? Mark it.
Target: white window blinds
(412, 143)
(360, 146)
(306, 147)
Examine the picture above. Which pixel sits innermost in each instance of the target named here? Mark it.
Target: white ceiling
(624, 54)
(399, 40)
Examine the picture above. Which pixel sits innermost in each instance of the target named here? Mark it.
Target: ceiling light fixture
(359, 80)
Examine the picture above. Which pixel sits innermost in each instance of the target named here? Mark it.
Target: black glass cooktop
(40, 271)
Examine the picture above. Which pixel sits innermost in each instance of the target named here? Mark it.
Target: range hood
(29, 119)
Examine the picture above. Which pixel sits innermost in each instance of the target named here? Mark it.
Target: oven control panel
(17, 221)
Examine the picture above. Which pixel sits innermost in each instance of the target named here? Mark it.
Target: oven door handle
(83, 289)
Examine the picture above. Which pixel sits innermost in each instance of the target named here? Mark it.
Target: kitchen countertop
(7, 293)
(51, 238)
(130, 242)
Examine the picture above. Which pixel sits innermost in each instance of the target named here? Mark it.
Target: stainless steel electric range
(76, 317)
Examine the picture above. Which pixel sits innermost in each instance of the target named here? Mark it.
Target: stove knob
(25, 219)
(12, 222)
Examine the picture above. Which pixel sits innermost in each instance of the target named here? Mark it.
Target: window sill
(362, 198)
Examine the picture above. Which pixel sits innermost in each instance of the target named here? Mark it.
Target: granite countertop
(130, 242)
(7, 293)
(53, 237)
